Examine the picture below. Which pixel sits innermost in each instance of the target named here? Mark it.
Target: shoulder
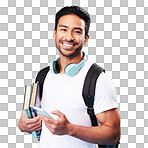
(104, 79)
(105, 85)
(90, 63)
(93, 69)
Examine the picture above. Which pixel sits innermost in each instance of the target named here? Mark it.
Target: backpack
(88, 92)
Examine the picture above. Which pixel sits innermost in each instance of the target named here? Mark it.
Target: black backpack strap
(88, 92)
(41, 77)
(88, 96)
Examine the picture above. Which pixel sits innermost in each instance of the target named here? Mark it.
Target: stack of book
(32, 99)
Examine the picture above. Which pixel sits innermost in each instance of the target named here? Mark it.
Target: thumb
(57, 112)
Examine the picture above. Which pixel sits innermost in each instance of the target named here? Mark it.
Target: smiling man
(62, 92)
(70, 37)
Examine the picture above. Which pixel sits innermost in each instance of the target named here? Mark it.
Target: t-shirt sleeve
(105, 95)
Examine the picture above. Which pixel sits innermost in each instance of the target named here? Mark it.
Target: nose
(70, 36)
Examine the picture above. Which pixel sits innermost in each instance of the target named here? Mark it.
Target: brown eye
(63, 29)
(78, 32)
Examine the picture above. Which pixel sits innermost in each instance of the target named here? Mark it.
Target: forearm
(97, 135)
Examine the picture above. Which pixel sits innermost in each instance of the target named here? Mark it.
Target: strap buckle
(90, 110)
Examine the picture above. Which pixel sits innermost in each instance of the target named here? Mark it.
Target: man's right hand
(29, 125)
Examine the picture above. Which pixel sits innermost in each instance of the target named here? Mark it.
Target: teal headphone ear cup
(71, 69)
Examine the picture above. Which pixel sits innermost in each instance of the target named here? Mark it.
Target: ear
(54, 34)
(86, 39)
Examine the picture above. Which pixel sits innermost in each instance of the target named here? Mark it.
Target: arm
(107, 133)
(29, 125)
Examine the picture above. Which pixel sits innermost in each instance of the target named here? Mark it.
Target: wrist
(71, 129)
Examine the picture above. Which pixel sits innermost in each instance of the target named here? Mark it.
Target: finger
(39, 123)
(33, 120)
(49, 128)
(34, 127)
(57, 112)
(30, 120)
(47, 119)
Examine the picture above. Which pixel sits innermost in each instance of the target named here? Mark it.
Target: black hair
(76, 10)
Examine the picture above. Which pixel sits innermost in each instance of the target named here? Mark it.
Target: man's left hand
(60, 126)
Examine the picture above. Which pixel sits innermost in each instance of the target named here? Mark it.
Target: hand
(61, 126)
(29, 125)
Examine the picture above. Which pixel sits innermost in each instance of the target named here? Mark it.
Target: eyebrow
(63, 26)
(68, 27)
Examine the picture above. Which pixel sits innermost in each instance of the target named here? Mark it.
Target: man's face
(70, 35)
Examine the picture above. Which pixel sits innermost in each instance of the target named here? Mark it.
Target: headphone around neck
(71, 69)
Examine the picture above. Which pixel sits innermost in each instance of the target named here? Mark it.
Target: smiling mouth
(68, 45)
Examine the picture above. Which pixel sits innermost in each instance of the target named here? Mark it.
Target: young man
(62, 94)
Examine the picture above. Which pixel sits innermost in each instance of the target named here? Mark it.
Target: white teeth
(68, 45)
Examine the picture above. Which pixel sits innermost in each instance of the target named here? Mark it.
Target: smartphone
(40, 111)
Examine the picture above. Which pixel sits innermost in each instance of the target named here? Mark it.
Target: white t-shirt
(64, 93)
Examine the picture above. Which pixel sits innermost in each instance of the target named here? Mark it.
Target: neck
(64, 61)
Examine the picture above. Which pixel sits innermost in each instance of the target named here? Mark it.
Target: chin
(68, 54)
